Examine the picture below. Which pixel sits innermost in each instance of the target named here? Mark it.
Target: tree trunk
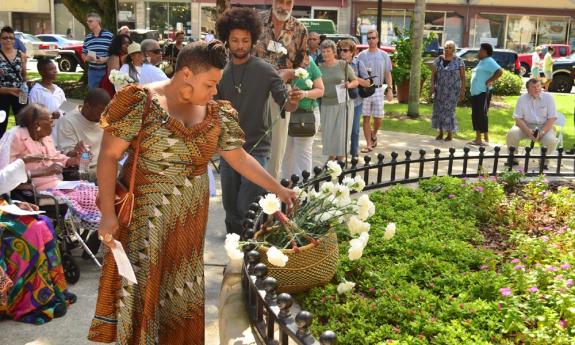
(222, 6)
(417, 41)
(105, 8)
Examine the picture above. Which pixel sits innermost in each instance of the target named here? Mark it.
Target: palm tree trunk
(417, 41)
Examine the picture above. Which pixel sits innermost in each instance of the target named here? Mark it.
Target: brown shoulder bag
(124, 199)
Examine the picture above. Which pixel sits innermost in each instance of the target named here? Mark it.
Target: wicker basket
(314, 265)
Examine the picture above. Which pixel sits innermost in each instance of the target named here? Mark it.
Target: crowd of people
(257, 95)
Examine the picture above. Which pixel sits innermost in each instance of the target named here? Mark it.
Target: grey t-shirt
(256, 79)
(378, 61)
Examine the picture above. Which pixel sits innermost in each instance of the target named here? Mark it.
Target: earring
(38, 129)
(149, 59)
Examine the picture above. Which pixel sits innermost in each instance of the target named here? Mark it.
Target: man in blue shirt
(95, 50)
(486, 72)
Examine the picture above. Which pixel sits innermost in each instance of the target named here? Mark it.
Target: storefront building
(198, 18)
(502, 23)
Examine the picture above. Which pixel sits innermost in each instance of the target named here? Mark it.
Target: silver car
(37, 49)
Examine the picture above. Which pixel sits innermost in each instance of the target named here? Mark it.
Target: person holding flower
(182, 130)
(298, 156)
(336, 106)
(248, 82)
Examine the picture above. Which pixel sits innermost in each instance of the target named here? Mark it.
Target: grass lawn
(61, 77)
(500, 119)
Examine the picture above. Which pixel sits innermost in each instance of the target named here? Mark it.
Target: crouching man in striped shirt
(95, 50)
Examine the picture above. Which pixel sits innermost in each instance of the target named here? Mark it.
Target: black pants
(7, 102)
(479, 109)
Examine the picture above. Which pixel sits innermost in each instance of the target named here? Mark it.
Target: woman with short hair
(336, 112)
(182, 129)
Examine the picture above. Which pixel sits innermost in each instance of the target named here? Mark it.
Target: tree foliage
(105, 8)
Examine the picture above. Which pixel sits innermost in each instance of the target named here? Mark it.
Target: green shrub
(509, 84)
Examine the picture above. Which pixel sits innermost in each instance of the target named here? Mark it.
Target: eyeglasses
(155, 51)
(8, 38)
(371, 38)
(345, 50)
(448, 47)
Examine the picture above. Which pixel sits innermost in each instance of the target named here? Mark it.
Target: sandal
(366, 150)
(374, 142)
(475, 143)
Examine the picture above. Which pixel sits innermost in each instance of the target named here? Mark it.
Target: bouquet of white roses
(119, 79)
(330, 209)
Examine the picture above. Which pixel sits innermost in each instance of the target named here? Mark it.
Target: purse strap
(139, 140)
(12, 65)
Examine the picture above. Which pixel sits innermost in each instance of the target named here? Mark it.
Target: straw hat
(134, 48)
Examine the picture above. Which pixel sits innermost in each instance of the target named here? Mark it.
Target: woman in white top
(133, 64)
(152, 58)
(48, 94)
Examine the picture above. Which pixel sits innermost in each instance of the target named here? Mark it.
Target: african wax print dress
(448, 89)
(165, 239)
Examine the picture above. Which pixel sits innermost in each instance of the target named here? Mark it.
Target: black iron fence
(278, 319)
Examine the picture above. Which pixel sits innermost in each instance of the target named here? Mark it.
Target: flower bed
(471, 262)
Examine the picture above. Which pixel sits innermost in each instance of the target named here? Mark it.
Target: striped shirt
(99, 45)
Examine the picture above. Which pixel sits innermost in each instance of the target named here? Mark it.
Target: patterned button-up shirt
(293, 37)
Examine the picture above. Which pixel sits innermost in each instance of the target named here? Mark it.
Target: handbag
(301, 124)
(365, 92)
(124, 198)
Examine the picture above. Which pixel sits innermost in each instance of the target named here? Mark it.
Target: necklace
(238, 87)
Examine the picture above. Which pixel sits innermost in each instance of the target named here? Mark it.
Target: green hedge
(509, 84)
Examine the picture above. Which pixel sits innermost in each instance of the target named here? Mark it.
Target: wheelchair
(70, 233)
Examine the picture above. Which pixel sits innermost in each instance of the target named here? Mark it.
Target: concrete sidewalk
(72, 328)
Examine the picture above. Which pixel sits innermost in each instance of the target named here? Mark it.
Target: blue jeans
(95, 77)
(237, 194)
(355, 130)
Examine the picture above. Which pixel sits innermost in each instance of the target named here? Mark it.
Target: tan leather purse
(124, 199)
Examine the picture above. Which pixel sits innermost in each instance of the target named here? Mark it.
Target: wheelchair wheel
(71, 269)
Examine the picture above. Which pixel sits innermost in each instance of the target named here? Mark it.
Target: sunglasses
(371, 38)
(345, 50)
(8, 38)
(155, 51)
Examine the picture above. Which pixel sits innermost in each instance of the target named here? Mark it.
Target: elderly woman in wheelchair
(33, 288)
(32, 138)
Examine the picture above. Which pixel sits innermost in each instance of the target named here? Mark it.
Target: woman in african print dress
(447, 87)
(164, 241)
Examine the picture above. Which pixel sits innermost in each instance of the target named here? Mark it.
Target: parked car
(37, 49)
(526, 60)
(563, 74)
(138, 35)
(70, 51)
(506, 58)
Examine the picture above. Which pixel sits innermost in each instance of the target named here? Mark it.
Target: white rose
(327, 188)
(301, 73)
(312, 194)
(270, 204)
(357, 226)
(309, 83)
(355, 250)
(333, 169)
(341, 191)
(276, 257)
(364, 237)
(231, 245)
(345, 287)
(301, 193)
(348, 181)
(282, 51)
(389, 231)
(328, 216)
(359, 184)
(366, 207)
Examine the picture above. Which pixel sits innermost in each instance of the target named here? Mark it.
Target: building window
(209, 16)
(572, 36)
(521, 33)
(390, 20)
(488, 28)
(552, 30)
(325, 14)
(453, 29)
(167, 17)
